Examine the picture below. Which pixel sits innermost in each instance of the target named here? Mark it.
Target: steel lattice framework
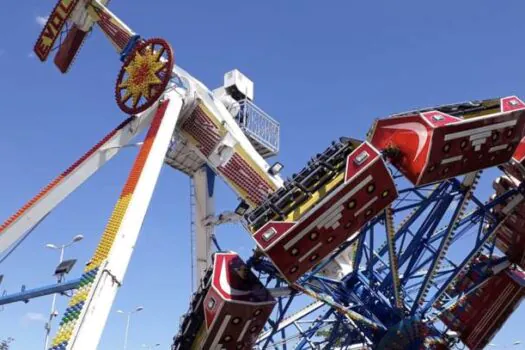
(386, 243)
(404, 260)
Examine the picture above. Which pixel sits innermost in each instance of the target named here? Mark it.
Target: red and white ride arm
(27, 217)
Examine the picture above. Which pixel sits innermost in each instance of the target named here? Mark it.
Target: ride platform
(479, 315)
(432, 145)
(510, 237)
(232, 309)
(296, 244)
(516, 166)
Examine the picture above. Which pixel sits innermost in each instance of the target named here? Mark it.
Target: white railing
(258, 125)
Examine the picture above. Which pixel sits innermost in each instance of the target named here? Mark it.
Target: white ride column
(95, 311)
(204, 187)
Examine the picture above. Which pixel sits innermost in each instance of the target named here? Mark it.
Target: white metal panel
(204, 208)
(240, 81)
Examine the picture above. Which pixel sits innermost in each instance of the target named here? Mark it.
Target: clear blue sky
(324, 69)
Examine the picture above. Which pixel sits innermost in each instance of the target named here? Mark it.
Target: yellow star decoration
(142, 74)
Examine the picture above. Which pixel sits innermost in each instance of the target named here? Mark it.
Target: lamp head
(275, 169)
(242, 208)
(78, 238)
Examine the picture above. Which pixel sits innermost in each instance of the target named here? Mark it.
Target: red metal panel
(240, 173)
(434, 146)
(436, 118)
(473, 144)
(295, 247)
(236, 307)
(411, 136)
(359, 159)
(213, 303)
(510, 237)
(492, 310)
(236, 327)
(516, 166)
(516, 222)
(234, 281)
(203, 130)
(467, 279)
(511, 103)
(237, 171)
(53, 27)
(512, 243)
(69, 48)
(480, 315)
(519, 155)
(272, 232)
(115, 31)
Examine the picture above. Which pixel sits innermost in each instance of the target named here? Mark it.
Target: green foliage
(326, 333)
(4, 344)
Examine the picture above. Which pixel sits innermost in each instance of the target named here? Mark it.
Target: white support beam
(204, 185)
(93, 317)
(226, 217)
(67, 182)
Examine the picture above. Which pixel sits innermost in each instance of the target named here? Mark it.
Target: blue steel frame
(367, 290)
(429, 224)
(26, 295)
(425, 217)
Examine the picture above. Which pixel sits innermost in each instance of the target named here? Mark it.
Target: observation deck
(262, 130)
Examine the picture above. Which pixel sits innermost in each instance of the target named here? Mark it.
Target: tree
(4, 344)
(327, 333)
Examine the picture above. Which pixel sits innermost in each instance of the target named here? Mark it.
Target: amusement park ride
(380, 243)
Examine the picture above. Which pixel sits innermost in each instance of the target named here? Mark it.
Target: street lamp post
(140, 308)
(53, 313)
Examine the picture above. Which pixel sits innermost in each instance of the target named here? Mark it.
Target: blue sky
(323, 69)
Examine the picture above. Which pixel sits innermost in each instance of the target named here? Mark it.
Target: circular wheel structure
(144, 75)
(439, 267)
